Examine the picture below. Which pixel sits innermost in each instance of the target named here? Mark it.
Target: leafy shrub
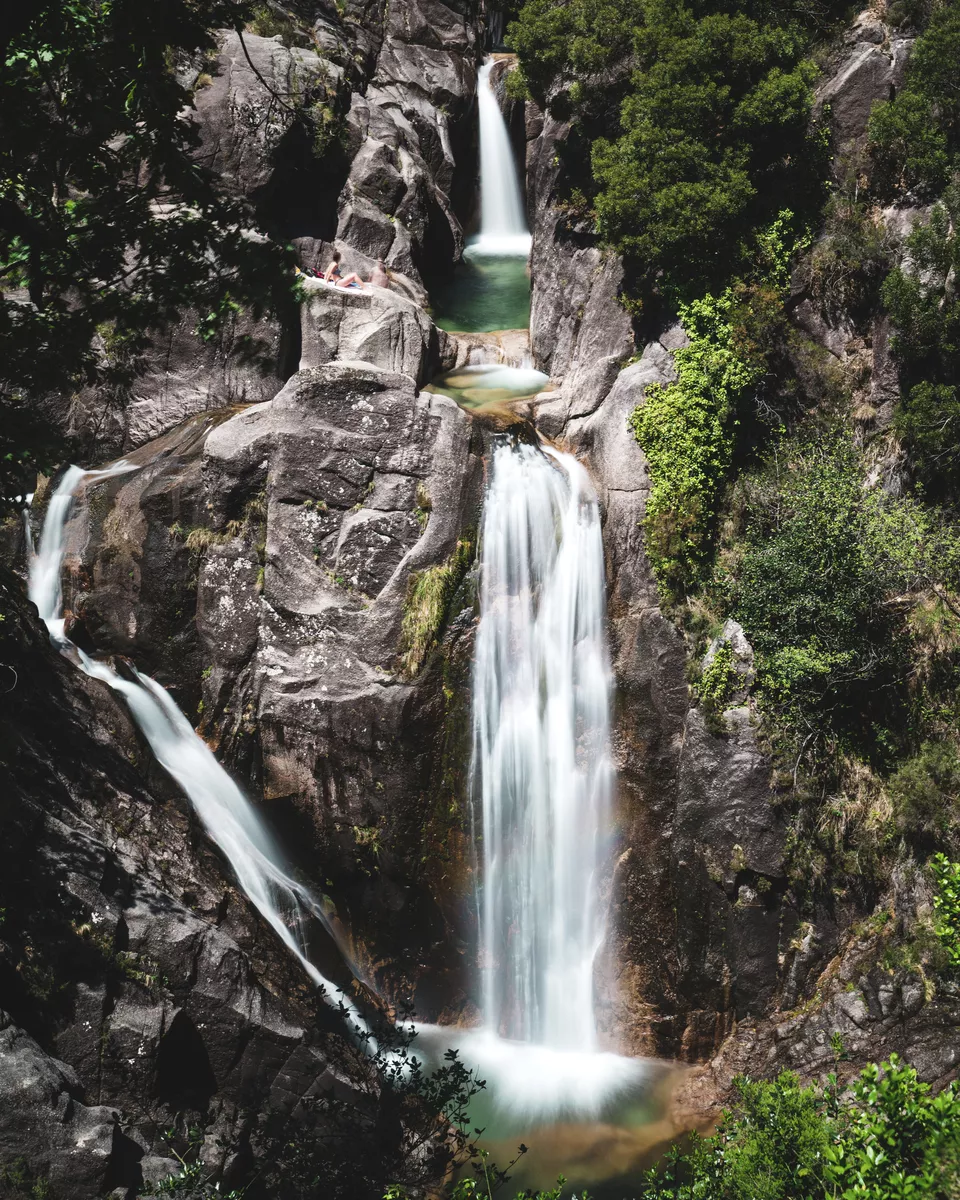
(818, 562)
(926, 790)
(719, 678)
(946, 906)
(887, 1139)
(715, 138)
(926, 315)
(915, 138)
(428, 597)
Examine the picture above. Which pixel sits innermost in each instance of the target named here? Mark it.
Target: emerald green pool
(484, 293)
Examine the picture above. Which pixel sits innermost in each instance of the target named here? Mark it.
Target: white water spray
(227, 815)
(503, 223)
(541, 764)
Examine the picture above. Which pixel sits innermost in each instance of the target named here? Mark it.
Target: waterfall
(503, 223)
(229, 818)
(541, 765)
(541, 782)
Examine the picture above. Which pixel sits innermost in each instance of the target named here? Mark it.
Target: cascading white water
(503, 223)
(541, 780)
(227, 815)
(541, 765)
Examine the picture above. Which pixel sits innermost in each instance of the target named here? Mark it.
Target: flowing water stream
(229, 818)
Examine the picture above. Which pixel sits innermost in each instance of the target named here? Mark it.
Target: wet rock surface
(136, 982)
(314, 512)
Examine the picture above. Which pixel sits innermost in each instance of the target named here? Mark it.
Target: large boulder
(373, 325)
(314, 513)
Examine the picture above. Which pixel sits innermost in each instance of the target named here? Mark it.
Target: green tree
(109, 225)
(715, 140)
(915, 138)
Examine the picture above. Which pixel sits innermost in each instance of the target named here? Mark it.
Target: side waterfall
(541, 766)
(503, 222)
(229, 818)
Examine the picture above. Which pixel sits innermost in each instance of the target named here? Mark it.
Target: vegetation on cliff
(109, 225)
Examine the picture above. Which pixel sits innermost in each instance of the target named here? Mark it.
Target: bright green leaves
(888, 1138)
(687, 428)
(946, 906)
(686, 432)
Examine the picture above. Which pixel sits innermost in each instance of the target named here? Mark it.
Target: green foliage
(719, 679)
(887, 1139)
(925, 790)
(685, 431)
(820, 558)
(946, 906)
(687, 428)
(690, 125)
(915, 138)
(108, 224)
(715, 138)
(428, 597)
(571, 47)
(925, 311)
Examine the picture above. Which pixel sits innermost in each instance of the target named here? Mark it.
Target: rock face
(375, 326)
(361, 138)
(580, 333)
(130, 971)
(314, 512)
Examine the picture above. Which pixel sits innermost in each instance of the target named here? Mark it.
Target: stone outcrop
(266, 557)
(137, 984)
(376, 326)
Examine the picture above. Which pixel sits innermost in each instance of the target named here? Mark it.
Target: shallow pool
(485, 292)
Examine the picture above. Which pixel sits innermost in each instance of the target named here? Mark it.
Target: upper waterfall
(503, 222)
(541, 765)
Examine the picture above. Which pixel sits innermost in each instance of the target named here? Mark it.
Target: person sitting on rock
(380, 276)
(334, 275)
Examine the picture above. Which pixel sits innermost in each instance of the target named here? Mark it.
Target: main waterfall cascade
(542, 783)
(229, 818)
(541, 764)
